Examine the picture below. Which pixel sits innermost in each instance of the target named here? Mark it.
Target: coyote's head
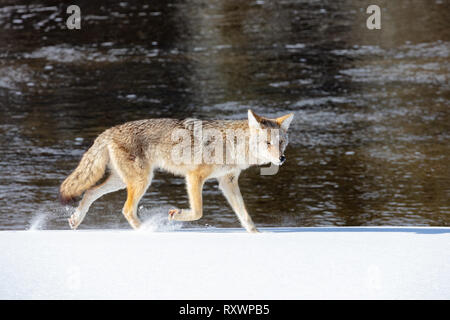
(271, 137)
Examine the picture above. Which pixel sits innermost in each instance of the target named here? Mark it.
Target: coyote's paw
(173, 212)
(73, 223)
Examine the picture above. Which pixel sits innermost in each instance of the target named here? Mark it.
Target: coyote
(130, 152)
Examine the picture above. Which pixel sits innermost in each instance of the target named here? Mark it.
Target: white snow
(279, 263)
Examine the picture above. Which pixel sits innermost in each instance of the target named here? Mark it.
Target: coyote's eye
(268, 143)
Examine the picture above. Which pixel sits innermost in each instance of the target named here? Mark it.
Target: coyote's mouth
(279, 162)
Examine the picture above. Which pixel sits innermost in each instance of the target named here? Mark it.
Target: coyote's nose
(282, 159)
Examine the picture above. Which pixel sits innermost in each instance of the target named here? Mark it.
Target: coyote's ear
(253, 120)
(285, 121)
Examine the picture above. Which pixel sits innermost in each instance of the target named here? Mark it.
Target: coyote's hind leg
(135, 191)
(111, 184)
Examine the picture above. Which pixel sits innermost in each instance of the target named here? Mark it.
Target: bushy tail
(90, 169)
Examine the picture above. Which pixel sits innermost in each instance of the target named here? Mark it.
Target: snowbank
(288, 263)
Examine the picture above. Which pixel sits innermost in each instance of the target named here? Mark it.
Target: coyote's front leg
(194, 184)
(230, 188)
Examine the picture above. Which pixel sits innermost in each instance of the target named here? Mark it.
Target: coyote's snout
(132, 151)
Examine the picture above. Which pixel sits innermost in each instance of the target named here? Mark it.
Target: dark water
(369, 144)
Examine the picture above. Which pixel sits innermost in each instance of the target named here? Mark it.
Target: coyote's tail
(90, 169)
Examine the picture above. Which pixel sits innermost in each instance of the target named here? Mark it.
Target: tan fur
(280, 120)
(133, 150)
(90, 169)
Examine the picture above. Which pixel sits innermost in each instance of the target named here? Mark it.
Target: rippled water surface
(370, 143)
